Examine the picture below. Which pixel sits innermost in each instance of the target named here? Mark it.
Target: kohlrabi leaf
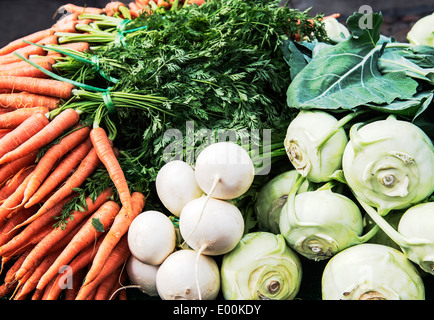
(346, 75)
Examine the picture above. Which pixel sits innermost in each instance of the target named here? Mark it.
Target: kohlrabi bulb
(261, 267)
(422, 32)
(389, 164)
(336, 31)
(318, 224)
(417, 227)
(371, 272)
(315, 143)
(272, 197)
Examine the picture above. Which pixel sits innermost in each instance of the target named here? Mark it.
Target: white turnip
(151, 237)
(187, 275)
(176, 185)
(143, 276)
(224, 170)
(211, 226)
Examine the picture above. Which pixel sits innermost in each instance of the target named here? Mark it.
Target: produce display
(216, 150)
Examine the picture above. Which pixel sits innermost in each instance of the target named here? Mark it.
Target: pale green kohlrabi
(336, 31)
(261, 267)
(414, 234)
(272, 197)
(371, 272)
(389, 164)
(315, 141)
(318, 224)
(422, 32)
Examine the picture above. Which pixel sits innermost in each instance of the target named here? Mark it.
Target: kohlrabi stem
(343, 121)
(384, 225)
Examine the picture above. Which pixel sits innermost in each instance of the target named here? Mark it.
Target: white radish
(224, 170)
(176, 185)
(151, 237)
(211, 226)
(143, 276)
(186, 275)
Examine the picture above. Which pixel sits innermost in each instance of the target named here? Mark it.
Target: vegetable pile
(212, 150)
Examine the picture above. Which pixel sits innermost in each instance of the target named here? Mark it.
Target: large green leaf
(346, 75)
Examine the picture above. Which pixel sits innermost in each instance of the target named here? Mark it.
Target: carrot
(104, 150)
(104, 290)
(78, 46)
(67, 165)
(69, 26)
(25, 100)
(58, 233)
(32, 281)
(21, 281)
(117, 257)
(69, 7)
(11, 273)
(25, 52)
(112, 7)
(29, 71)
(14, 118)
(119, 228)
(7, 208)
(63, 121)
(23, 132)
(6, 289)
(118, 289)
(84, 170)
(9, 231)
(37, 225)
(70, 293)
(19, 43)
(51, 157)
(12, 184)
(47, 290)
(86, 235)
(48, 87)
(77, 266)
(39, 60)
(10, 169)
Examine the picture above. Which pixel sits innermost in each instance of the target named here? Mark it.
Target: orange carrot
(19, 43)
(4, 132)
(32, 281)
(29, 71)
(112, 7)
(104, 290)
(24, 100)
(12, 184)
(9, 231)
(14, 118)
(11, 273)
(78, 46)
(23, 132)
(51, 157)
(104, 150)
(119, 228)
(37, 225)
(117, 290)
(67, 165)
(10, 169)
(84, 170)
(25, 52)
(85, 236)
(69, 26)
(56, 234)
(6, 289)
(63, 121)
(39, 60)
(7, 208)
(70, 293)
(69, 7)
(48, 87)
(117, 258)
(77, 265)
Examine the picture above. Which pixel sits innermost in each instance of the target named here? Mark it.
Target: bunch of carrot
(34, 192)
(44, 157)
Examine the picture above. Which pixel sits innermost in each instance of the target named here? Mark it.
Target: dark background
(22, 17)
